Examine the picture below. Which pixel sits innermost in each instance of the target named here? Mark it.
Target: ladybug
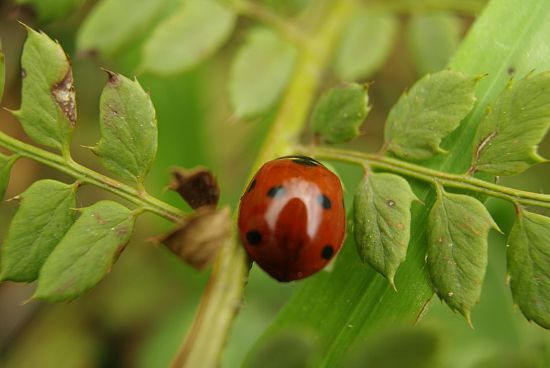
(292, 219)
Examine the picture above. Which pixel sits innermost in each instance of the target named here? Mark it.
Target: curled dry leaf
(198, 238)
(197, 186)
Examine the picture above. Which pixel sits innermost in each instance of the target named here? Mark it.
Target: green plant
(445, 140)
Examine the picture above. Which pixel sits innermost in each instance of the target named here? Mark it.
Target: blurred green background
(139, 314)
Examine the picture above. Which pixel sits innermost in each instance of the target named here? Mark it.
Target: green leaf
(382, 221)
(128, 126)
(528, 257)
(289, 348)
(340, 112)
(6, 162)
(432, 39)
(2, 72)
(191, 34)
(51, 10)
(252, 92)
(44, 216)
(365, 45)
(426, 114)
(458, 227)
(366, 302)
(113, 24)
(48, 109)
(403, 347)
(507, 139)
(87, 252)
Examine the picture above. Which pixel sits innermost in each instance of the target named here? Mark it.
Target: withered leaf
(197, 186)
(198, 238)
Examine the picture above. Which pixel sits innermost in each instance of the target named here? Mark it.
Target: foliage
(445, 140)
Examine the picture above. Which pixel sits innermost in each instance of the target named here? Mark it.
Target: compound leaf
(507, 138)
(44, 216)
(528, 257)
(87, 252)
(382, 221)
(423, 116)
(458, 226)
(340, 112)
(128, 126)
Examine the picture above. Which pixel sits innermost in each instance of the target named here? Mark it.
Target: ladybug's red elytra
(292, 219)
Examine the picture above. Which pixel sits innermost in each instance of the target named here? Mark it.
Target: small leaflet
(382, 221)
(458, 226)
(128, 127)
(528, 258)
(44, 216)
(431, 110)
(340, 112)
(87, 251)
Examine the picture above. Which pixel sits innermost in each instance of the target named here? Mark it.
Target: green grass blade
(344, 306)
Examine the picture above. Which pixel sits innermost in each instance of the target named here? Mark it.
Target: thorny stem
(222, 298)
(444, 179)
(140, 198)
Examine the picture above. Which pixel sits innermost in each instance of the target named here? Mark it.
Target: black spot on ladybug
(275, 191)
(302, 160)
(327, 252)
(253, 237)
(324, 201)
(252, 185)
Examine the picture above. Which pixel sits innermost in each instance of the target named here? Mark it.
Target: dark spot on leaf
(251, 186)
(275, 191)
(198, 186)
(327, 252)
(391, 203)
(324, 201)
(63, 93)
(253, 237)
(113, 77)
(511, 70)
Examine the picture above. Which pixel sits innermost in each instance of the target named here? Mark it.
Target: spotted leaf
(128, 126)
(458, 226)
(87, 252)
(528, 258)
(382, 221)
(48, 108)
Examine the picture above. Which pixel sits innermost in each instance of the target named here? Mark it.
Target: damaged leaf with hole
(48, 109)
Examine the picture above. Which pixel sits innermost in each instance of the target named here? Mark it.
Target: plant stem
(143, 200)
(287, 29)
(464, 182)
(222, 298)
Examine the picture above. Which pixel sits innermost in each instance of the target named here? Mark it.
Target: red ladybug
(292, 219)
